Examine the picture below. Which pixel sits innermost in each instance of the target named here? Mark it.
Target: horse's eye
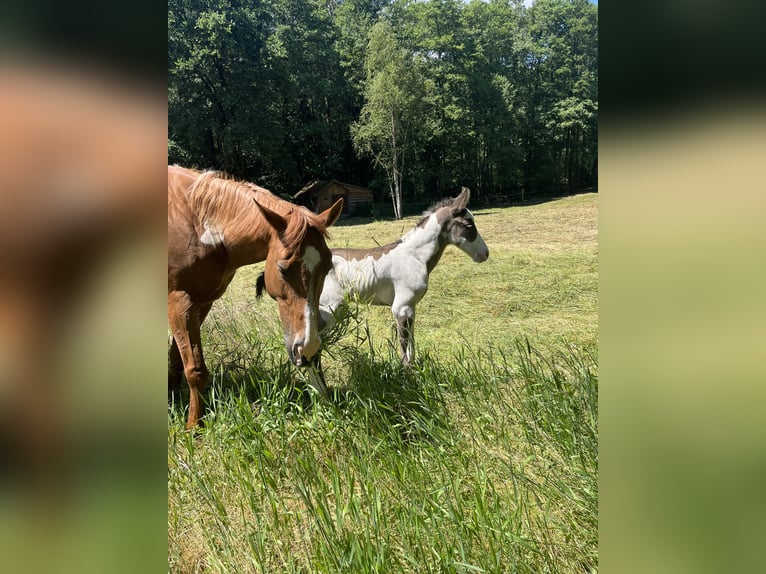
(282, 266)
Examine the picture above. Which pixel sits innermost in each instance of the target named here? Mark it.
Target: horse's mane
(220, 199)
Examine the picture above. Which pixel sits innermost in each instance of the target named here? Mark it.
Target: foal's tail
(260, 285)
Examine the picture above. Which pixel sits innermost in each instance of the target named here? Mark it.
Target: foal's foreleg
(184, 319)
(405, 324)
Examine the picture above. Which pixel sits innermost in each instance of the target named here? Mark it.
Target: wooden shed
(318, 196)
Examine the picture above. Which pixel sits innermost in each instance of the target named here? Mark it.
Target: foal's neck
(426, 242)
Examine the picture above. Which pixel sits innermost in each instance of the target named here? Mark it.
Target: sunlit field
(483, 456)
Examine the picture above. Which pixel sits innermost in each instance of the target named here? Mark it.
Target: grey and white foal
(397, 274)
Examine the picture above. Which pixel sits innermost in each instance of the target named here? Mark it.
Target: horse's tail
(260, 285)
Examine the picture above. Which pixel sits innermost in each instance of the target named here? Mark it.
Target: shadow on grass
(391, 398)
(259, 381)
(379, 393)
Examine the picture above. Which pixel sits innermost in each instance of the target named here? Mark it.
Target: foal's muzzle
(476, 249)
(481, 256)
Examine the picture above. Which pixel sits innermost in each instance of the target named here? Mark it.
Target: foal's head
(296, 266)
(459, 227)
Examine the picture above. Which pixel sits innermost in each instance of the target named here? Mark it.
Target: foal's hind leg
(184, 319)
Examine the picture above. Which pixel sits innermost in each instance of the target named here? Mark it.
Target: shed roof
(314, 188)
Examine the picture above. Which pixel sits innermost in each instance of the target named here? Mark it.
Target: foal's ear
(460, 202)
(331, 214)
(275, 220)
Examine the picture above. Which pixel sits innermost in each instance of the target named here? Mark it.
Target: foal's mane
(445, 202)
(220, 199)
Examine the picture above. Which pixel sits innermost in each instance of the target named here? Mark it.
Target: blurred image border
(681, 312)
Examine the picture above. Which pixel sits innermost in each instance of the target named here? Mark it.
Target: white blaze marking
(310, 329)
(311, 258)
(211, 236)
(310, 337)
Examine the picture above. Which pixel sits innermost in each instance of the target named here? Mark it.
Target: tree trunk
(396, 194)
(396, 174)
(568, 161)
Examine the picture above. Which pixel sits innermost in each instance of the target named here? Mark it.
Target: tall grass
(478, 458)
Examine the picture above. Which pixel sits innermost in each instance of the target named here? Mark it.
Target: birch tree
(393, 94)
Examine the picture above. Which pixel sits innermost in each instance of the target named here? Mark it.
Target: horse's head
(461, 229)
(296, 266)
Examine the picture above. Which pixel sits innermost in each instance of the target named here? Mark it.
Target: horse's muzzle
(298, 355)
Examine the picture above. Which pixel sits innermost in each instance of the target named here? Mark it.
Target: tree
(257, 89)
(434, 32)
(495, 94)
(422, 96)
(393, 101)
(219, 104)
(561, 91)
(470, 128)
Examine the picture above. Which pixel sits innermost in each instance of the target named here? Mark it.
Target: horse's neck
(425, 242)
(242, 230)
(249, 241)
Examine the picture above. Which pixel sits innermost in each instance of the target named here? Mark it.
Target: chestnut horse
(215, 226)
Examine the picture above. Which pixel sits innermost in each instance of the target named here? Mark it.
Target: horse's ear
(461, 201)
(275, 220)
(331, 214)
(260, 285)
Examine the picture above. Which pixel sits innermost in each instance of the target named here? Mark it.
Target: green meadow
(481, 457)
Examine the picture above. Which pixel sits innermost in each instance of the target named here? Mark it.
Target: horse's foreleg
(184, 319)
(316, 375)
(175, 368)
(175, 362)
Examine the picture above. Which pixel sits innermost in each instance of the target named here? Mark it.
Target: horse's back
(180, 179)
(193, 267)
(180, 223)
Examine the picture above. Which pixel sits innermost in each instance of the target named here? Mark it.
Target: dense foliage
(409, 97)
